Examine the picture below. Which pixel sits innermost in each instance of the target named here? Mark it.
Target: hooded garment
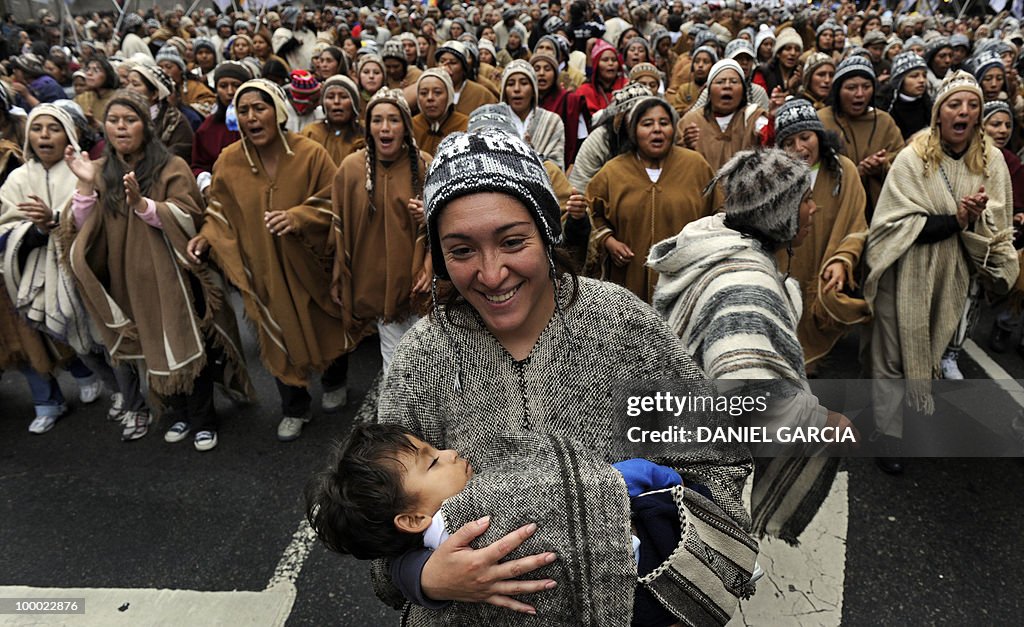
(542, 129)
(429, 134)
(284, 281)
(570, 107)
(139, 288)
(37, 292)
(724, 296)
(595, 94)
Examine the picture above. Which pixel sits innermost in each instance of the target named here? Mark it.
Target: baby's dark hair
(352, 503)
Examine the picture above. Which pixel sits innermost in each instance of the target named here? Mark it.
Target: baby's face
(431, 475)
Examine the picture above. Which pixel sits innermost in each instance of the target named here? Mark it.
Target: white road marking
(803, 586)
(146, 606)
(995, 372)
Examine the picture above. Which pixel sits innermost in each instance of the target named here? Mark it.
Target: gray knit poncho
(452, 382)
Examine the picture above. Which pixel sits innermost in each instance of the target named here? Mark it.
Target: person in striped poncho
(723, 294)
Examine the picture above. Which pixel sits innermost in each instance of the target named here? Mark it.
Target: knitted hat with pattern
(993, 107)
(202, 42)
(161, 83)
(386, 95)
(488, 161)
(458, 50)
(933, 48)
(763, 190)
(959, 40)
(498, 116)
(519, 66)
(170, 53)
(913, 41)
(644, 69)
(737, 47)
(985, 62)
(903, 64)
(954, 82)
(393, 49)
(794, 116)
(825, 26)
(303, 89)
(340, 81)
(851, 67)
(872, 38)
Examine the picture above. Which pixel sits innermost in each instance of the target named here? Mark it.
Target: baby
(387, 491)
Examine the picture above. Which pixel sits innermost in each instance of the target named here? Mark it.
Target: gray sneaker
(335, 399)
(290, 428)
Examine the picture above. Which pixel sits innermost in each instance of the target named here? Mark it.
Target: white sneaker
(950, 369)
(335, 400)
(205, 440)
(90, 392)
(42, 424)
(178, 432)
(290, 428)
(116, 411)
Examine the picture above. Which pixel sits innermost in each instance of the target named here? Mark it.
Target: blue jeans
(46, 395)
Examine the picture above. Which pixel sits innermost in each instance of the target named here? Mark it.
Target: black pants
(295, 400)
(197, 408)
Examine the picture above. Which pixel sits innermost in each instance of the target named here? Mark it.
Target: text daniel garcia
(746, 435)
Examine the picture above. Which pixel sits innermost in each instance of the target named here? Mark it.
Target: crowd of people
(523, 201)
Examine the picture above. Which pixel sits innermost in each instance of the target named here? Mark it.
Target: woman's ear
(412, 522)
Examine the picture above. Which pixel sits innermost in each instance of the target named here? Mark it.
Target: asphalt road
(942, 544)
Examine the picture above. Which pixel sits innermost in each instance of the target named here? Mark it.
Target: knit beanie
(488, 45)
(933, 48)
(913, 41)
(550, 60)
(985, 62)
(442, 76)
(340, 81)
(644, 69)
(560, 44)
(29, 63)
(393, 49)
(170, 53)
(488, 161)
(763, 190)
(622, 102)
(794, 116)
(852, 67)
(959, 40)
(872, 38)
(991, 108)
(203, 42)
(303, 89)
(367, 59)
(764, 32)
(813, 62)
(386, 95)
(706, 38)
(133, 21)
(157, 79)
(231, 69)
(707, 50)
(825, 26)
(63, 118)
(273, 90)
(458, 49)
(498, 116)
(721, 66)
(954, 82)
(240, 24)
(599, 48)
(890, 44)
(519, 66)
(787, 37)
(640, 41)
(737, 47)
(633, 119)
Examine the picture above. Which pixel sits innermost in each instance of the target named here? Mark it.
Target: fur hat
(763, 190)
(488, 161)
(794, 116)
(519, 66)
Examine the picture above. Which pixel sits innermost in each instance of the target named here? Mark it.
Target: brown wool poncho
(338, 146)
(380, 251)
(284, 281)
(134, 282)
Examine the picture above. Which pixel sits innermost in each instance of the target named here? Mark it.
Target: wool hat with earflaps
(488, 161)
(763, 190)
(954, 82)
(278, 97)
(794, 116)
